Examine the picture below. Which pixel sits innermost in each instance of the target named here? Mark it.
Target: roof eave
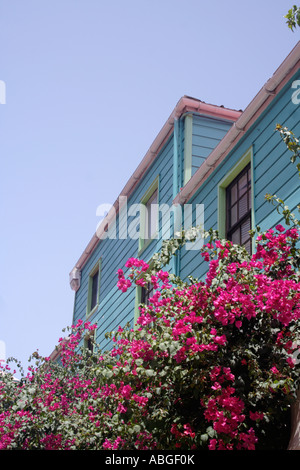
(256, 107)
(185, 104)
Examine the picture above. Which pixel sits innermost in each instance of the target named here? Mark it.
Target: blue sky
(89, 84)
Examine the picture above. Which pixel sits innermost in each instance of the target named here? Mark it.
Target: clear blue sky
(89, 84)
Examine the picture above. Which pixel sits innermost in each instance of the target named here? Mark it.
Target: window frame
(244, 161)
(96, 270)
(232, 227)
(146, 293)
(143, 241)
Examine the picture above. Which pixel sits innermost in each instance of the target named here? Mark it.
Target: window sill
(91, 312)
(147, 243)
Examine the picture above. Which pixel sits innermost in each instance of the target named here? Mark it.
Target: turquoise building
(209, 165)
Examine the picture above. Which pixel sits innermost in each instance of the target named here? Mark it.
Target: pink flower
(231, 268)
(256, 415)
(188, 430)
(213, 444)
(280, 228)
(140, 282)
(291, 362)
(216, 386)
(123, 284)
(121, 408)
(221, 340)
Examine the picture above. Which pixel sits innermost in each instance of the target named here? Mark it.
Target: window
(236, 214)
(149, 215)
(238, 209)
(93, 289)
(143, 295)
(146, 293)
(94, 295)
(89, 341)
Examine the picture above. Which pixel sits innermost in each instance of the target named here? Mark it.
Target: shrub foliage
(211, 363)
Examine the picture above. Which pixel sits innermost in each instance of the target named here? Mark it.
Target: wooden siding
(117, 308)
(207, 133)
(273, 173)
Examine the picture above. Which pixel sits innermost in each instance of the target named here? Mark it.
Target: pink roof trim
(185, 104)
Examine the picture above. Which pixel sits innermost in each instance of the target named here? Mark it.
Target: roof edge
(184, 105)
(255, 108)
(242, 122)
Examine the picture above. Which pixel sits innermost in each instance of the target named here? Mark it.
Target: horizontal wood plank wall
(273, 173)
(117, 308)
(207, 133)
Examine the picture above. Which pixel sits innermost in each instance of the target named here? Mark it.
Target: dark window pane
(243, 206)
(94, 295)
(233, 194)
(234, 215)
(242, 184)
(239, 209)
(235, 237)
(143, 295)
(90, 344)
(147, 293)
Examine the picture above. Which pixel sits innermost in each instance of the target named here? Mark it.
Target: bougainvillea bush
(211, 364)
